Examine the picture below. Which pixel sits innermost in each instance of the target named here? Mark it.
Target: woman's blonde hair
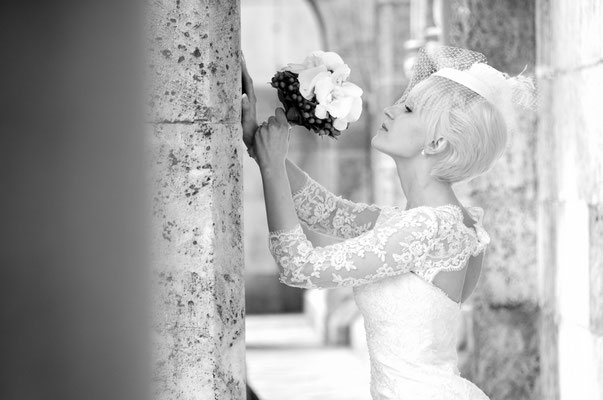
(475, 130)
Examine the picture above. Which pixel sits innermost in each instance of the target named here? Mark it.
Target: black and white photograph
(302, 200)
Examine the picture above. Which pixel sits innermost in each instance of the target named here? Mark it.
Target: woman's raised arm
(324, 212)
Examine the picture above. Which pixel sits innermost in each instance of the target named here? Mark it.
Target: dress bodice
(389, 256)
(411, 336)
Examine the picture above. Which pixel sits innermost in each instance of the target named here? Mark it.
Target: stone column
(570, 198)
(197, 243)
(505, 321)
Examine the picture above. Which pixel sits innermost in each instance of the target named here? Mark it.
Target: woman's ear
(437, 146)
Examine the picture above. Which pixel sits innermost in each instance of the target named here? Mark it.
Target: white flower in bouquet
(324, 75)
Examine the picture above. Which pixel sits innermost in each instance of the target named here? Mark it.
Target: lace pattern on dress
(423, 239)
(326, 213)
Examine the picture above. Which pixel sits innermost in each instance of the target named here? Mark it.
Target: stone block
(577, 133)
(504, 31)
(194, 61)
(509, 275)
(596, 269)
(198, 260)
(507, 352)
(567, 30)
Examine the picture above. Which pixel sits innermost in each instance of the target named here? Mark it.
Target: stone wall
(570, 205)
(504, 362)
(197, 232)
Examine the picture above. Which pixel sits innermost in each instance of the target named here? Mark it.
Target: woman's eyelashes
(408, 109)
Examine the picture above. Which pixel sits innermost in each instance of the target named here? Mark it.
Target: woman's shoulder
(400, 216)
(449, 214)
(447, 209)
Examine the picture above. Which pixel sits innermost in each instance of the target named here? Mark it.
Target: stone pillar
(197, 241)
(505, 305)
(570, 198)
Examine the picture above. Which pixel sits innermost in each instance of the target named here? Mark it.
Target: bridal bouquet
(319, 93)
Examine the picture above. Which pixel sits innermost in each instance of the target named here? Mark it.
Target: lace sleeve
(326, 213)
(398, 245)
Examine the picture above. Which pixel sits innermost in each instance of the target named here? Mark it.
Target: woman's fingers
(247, 82)
(281, 116)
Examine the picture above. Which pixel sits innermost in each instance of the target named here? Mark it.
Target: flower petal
(296, 68)
(340, 124)
(340, 108)
(320, 111)
(341, 73)
(307, 80)
(331, 59)
(355, 110)
(350, 89)
(323, 89)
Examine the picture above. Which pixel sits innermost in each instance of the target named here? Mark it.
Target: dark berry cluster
(288, 86)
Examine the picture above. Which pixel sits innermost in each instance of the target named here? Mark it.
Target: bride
(410, 268)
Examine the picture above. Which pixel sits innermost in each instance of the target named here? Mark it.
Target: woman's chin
(375, 141)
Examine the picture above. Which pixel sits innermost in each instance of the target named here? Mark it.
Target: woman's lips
(384, 126)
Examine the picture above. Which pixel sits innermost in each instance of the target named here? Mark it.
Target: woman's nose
(390, 113)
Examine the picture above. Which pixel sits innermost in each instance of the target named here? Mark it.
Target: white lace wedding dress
(390, 257)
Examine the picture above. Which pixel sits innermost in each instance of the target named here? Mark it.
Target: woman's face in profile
(401, 133)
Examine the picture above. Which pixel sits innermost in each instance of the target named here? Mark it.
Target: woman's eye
(408, 110)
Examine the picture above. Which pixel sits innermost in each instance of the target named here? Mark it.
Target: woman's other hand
(271, 141)
(248, 108)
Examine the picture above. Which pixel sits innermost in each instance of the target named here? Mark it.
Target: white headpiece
(469, 69)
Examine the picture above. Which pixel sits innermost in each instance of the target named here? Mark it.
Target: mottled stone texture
(505, 364)
(505, 360)
(197, 243)
(570, 170)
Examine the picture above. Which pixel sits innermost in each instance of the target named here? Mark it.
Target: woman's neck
(420, 188)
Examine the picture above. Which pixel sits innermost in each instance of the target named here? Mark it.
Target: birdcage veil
(467, 79)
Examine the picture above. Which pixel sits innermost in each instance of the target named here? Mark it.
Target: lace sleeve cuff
(280, 232)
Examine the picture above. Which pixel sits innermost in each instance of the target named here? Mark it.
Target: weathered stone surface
(197, 248)
(504, 31)
(596, 269)
(194, 59)
(197, 242)
(506, 357)
(574, 27)
(505, 363)
(509, 274)
(549, 356)
(570, 188)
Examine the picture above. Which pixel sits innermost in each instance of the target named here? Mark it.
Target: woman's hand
(248, 110)
(271, 141)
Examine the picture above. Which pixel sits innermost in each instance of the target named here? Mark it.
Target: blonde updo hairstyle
(475, 130)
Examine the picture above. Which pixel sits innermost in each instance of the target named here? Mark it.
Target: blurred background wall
(570, 193)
